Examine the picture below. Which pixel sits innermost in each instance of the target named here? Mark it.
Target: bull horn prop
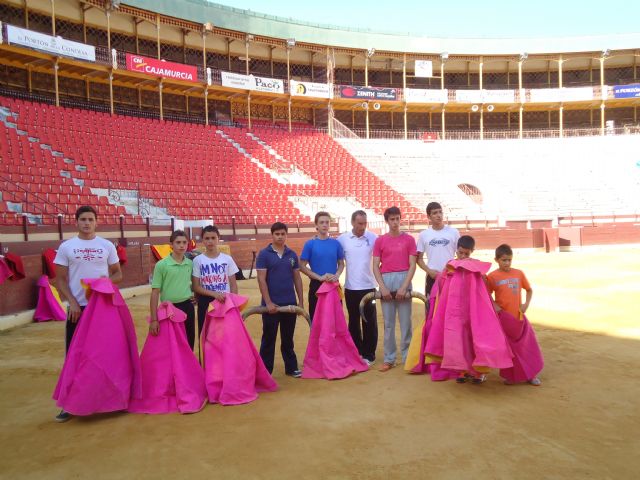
(286, 309)
(377, 296)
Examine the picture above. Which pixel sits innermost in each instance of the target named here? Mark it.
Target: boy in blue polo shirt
(279, 282)
(322, 259)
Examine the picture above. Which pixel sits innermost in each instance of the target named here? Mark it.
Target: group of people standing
(387, 262)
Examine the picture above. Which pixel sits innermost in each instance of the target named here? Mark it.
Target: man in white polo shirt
(358, 250)
(438, 242)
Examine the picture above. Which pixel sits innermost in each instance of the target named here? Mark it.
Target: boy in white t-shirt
(438, 242)
(83, 256)
(214, 273)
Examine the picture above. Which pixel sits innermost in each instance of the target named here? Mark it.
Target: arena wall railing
(18, 296)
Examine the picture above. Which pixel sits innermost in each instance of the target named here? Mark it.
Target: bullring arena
(242, 126)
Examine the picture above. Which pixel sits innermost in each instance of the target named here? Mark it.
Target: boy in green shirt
(172, 283)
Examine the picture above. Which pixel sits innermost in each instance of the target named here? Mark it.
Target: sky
(461, 18)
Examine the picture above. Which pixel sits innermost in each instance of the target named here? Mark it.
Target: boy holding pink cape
(172, 380)
(507, 284)
(84, 256)
(464, 335)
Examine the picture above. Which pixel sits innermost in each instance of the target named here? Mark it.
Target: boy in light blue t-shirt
(322, 259)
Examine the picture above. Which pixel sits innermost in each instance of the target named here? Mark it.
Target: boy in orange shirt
(507, 284)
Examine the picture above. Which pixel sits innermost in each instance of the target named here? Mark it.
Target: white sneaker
(367, 361)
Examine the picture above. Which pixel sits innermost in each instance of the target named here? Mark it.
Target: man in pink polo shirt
(394, 263)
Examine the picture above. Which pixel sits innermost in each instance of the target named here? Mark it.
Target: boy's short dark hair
(279, 226)
(211, 228)
(321, 214)
(390, 212)
(85, 209)
(503, 249)
(358, 213)
(431, 206)
(177, 233)
(466, 241)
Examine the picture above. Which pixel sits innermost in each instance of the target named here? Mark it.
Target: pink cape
(465, 334)
(527, 360)
(434, 369)
(49, 307)
(331, 352)
(101, 371)
(234, 372)
(172, 379)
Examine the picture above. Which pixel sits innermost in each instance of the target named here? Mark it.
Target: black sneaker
(295, 374)
(63, 417)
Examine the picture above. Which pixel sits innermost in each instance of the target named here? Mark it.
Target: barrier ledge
(23, 318)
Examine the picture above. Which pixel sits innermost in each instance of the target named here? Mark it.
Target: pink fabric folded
(172, 379)
(331, 352)
(101, 372)
(435, 370)
(234, 371)
(527, 361)
(49, 306)
(465, 334)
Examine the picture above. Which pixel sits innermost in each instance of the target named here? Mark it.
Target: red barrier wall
(22, 295)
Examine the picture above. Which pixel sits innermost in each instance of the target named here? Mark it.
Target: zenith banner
(368, 93)
(626, 91)
(160, 68)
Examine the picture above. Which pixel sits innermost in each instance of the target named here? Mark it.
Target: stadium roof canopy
(202, 11)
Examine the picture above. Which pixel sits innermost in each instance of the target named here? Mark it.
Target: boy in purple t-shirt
(394, 263)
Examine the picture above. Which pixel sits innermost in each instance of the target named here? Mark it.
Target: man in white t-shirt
(358, 251)
(438, 242)
(83, 256)
(214, 273)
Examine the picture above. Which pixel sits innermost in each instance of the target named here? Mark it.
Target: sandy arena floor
(583, 422)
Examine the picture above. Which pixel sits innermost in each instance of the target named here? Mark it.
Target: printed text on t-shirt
(88, 254)
(512, 283)
(439, 242)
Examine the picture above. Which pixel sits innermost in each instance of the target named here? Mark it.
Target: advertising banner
(424, 68)
(485, 96)
(251, 82)
(49, 44)
(498, 96)
(469, 96)
(368, 93)
(235, 80)
(545, 95)
(310, 89)
(420, 95)
(264, 84)
(160, 68)
(626, 91)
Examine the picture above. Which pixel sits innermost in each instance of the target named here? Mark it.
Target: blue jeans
(393, 281)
